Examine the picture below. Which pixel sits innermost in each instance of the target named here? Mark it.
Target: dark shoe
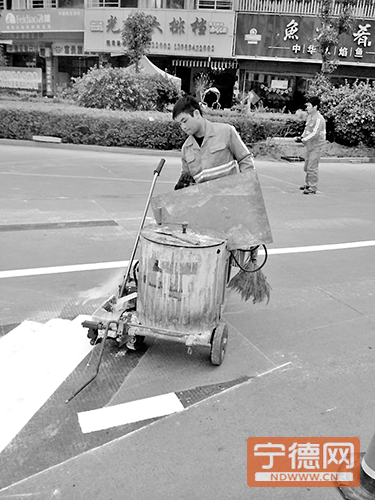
(302, 188)
(309, 190)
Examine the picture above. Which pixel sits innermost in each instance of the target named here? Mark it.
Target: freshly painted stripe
(273, 369)
(20, 273)
(63, 269)
(17, 339)
(126, 413)
(321, 248)
(57, 225)
(34, 363)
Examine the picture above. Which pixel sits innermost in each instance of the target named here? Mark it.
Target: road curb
(347, 159)
(89, 147)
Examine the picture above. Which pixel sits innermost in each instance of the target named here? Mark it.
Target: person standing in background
(314, 137)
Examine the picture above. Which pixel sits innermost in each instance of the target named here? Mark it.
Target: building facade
(265, 47)
(275, 47)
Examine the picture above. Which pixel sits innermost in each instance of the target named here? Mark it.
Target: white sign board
(21, 78)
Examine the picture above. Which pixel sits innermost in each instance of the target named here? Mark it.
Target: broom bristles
(251, 284)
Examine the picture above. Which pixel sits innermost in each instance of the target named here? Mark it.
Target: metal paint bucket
(181, 279)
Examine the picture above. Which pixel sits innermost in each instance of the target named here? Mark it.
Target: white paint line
(32, 370)
(17, 339)
(237, 386)
(63, 269)
(123, 263)
(321, 248)
(86, 177)
(20, 495)
(126, 413)
(273, 369)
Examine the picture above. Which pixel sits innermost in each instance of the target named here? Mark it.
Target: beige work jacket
(222, 153)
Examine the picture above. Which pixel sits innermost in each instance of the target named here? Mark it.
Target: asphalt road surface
(300, 366)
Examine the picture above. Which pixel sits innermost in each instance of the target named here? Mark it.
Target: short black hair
(314, 101)
(187, 104)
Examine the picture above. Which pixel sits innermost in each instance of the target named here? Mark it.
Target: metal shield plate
(233, 206)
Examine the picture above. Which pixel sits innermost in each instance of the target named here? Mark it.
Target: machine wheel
(92, 334)
(219, 344)
(135, 343)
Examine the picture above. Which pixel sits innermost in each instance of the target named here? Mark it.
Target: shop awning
(206, 63)
(149, 68)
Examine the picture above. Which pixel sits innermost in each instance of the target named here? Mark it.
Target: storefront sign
(176, 32)
(291, 38)
(65, 20)
(279, 84)
(49, 90)
(24, 47)
(21, 78)
(67, 49)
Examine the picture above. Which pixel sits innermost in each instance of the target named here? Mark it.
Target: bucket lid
(178, 236)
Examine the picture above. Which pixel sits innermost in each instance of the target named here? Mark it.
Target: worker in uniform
(212, 150)
(314, 137)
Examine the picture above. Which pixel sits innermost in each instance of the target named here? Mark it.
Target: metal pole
(126, 277)
(77, 391)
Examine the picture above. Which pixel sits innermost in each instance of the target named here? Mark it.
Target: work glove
(298, 139)
(184, 181)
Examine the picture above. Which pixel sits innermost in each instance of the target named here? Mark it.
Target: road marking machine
(175, 290)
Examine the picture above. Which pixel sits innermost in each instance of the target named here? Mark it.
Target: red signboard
(292, 38)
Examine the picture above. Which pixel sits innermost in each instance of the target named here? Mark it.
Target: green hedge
(152, 130)
(113, 88)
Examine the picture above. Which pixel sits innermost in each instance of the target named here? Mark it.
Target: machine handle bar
(126, 277)
(159, 167)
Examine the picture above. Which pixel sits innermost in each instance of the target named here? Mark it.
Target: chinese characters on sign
(177, 27)
(24, 47)
(294, 37)
(303, 462)
(291, 30)
(360, 37)
(291, 33)
(112, 25)
(67, 49)
(175, 32)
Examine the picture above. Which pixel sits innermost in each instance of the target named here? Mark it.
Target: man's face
(189, 124)
(310, 108)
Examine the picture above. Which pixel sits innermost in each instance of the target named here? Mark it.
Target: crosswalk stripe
(126, 413)
(34, 361)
